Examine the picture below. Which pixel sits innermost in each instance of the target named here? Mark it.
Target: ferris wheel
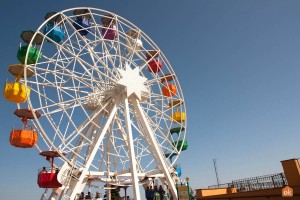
(103, 98)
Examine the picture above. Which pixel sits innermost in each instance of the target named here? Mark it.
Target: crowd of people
(155, 193)
(151, 193)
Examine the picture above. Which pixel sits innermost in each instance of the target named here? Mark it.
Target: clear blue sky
(238, 63)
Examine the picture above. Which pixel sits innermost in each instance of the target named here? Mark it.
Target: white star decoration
(131, 79)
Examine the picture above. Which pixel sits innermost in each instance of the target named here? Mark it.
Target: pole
(177, 188)
(216, 171)
(188, 186)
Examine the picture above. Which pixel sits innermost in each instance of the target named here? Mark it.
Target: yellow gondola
(178, 116)
(16, 92)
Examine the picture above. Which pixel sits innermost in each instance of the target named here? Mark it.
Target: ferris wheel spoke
(90, 49)
(87, 122)
(103, 45)
(124, 137)
(151, 150)
(65, 89)
(57, 106)
(82, 62)
(72, 37)
(68, 42)
(108, 59)
(82, 141)
(154, 109)
(119, 43)
(60, 104)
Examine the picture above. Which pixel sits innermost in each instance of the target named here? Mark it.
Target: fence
(256, 183)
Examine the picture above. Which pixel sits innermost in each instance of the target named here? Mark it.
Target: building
(279, 186)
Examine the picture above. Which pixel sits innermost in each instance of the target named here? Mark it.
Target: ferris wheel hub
(133, 82)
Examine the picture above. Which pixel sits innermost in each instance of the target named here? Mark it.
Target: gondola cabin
(16, 92)
(110, 32)
(82, 23)
(169, 90)
(23, 138)
(34, 55)
(134, 41)
(155, 66)
(53, 28)
(54, 32)
(180, 143)
(178, 170)
(48, 179)
(178, 116)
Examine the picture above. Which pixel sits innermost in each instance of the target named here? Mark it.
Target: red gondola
(47, 178)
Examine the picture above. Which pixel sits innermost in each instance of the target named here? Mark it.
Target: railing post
(273, 181)
(282, 178)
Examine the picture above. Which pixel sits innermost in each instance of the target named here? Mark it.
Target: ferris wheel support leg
(79, 185)
(159, 158)
(133, 164)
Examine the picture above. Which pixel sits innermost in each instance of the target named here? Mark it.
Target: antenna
(216, 171)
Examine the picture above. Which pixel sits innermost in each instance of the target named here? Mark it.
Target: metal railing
(255, 183)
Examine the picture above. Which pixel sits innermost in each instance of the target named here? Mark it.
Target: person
(97, 195)
(165, 197)
(88, 196)
(151, 192)
(147, 193)
(161, 192)
(81, 196)
(156, 193)
(44, 170)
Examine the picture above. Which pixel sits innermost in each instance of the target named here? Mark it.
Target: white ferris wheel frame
(130, 106)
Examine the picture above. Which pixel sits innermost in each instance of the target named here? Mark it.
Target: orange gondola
(168, 89)
(24, 136)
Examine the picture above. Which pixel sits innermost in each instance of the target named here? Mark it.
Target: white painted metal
(161, 162)
(78, 85)
(93, 153)
(133, 168)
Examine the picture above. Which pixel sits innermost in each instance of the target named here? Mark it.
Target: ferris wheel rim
(145, 35)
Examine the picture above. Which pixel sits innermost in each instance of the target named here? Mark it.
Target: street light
(188, 186)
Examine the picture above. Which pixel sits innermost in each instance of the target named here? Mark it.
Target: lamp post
(176, 181)
(188, 186)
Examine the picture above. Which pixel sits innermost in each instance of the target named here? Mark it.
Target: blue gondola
(178, 170)
(82, 25)
(55, 33)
